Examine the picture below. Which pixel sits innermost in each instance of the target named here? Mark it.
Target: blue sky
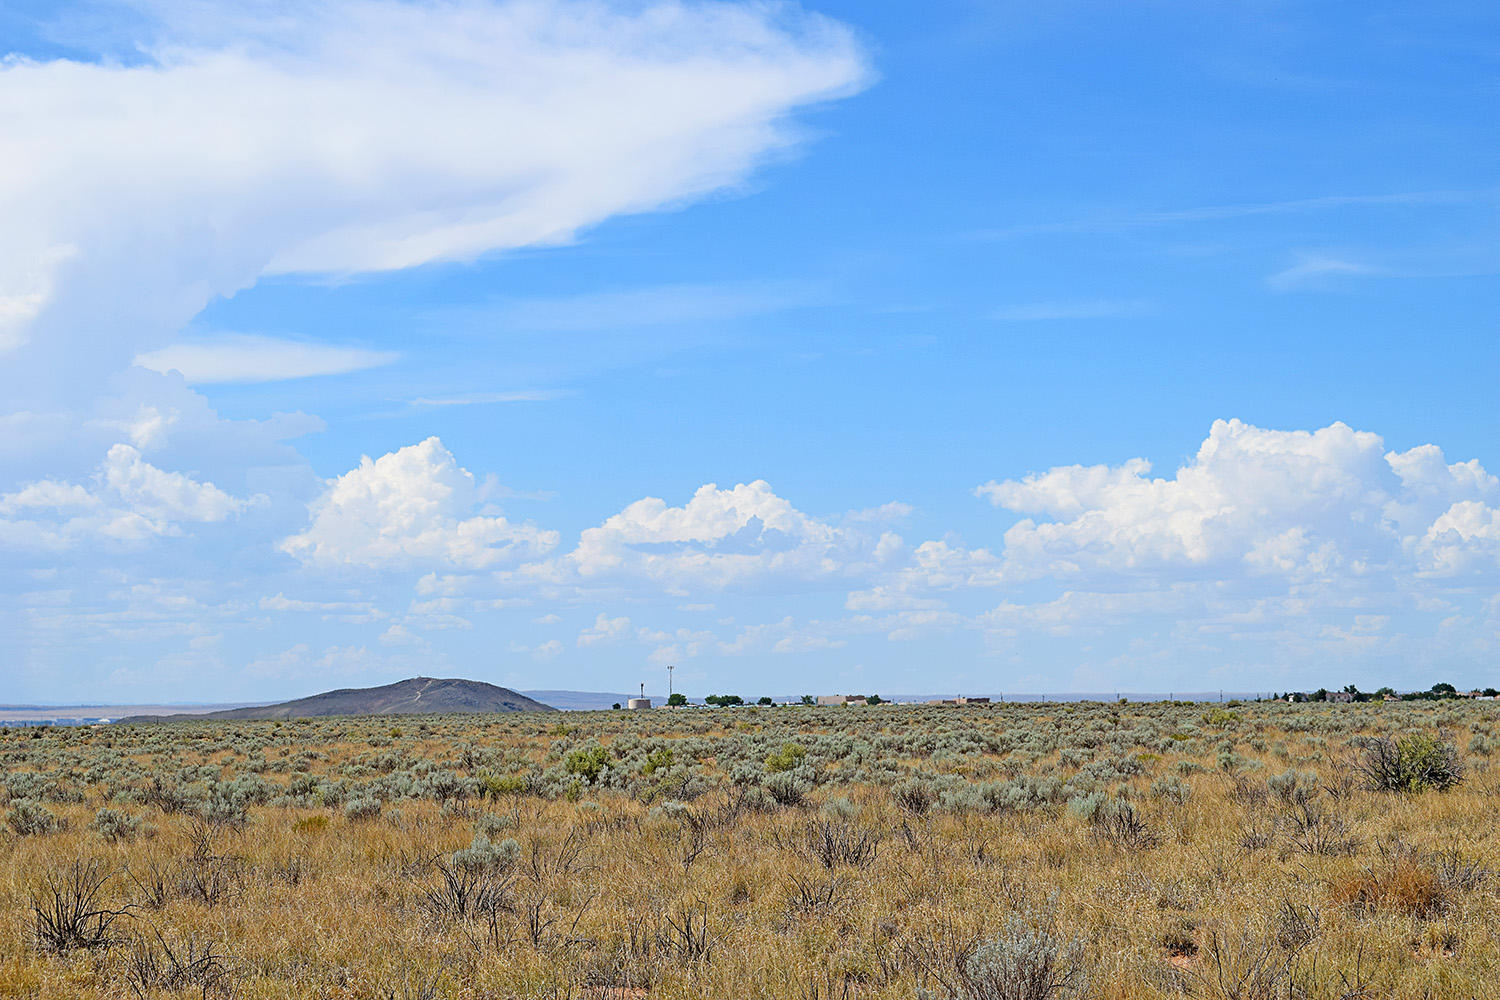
(969, 347)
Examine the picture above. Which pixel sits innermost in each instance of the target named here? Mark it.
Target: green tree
(677, 700)
(764, 701)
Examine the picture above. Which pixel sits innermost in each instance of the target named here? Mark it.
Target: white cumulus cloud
(604, 630)
(128, 500)
(744, 536)
(412, 508)
(1324, 504)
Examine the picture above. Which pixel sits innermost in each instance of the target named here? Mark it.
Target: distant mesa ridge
(415, 696)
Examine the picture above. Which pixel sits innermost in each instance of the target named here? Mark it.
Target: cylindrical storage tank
(639, 703)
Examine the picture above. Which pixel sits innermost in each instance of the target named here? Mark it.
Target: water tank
(639, 703)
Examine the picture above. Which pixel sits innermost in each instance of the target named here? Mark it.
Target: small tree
(874, 699)
(1411, 763)
(764, 700)
(677, 700)
(807, 699)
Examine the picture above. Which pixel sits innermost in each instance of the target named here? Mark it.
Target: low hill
(416, 696)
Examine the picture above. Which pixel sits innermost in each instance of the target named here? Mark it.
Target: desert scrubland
(1251, 851)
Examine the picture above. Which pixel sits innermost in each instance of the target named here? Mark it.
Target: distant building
(841, 699)
(638, 703)
(1340, 696)
(961, 700)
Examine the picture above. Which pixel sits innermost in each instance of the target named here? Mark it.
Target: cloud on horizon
(1265, 544)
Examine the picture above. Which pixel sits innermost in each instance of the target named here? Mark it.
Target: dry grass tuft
(1400, 885)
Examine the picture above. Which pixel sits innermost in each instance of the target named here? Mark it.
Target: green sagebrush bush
(1026, 961)
(29, 818)
(116, 824)
(1411, 763)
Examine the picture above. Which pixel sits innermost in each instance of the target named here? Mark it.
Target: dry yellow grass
(1147, 835)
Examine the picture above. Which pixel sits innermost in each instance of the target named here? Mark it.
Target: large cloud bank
(1267, 546)
(348, 136)
(1327, 516)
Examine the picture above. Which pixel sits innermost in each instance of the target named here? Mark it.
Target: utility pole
(670, 667)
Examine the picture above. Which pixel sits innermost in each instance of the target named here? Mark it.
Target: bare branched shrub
(1313, 829)
(939, 958)
(68, 911)
(1114, 820)
(165, 794)
(1247, 792)
(160, 965)
(210, 878)
(1258, 834)
(544, 911)
(155, 883)
(1293, 788)
(914, 797)
(540, 866)
(1248, 966)
(786, 789)
(686, 934)
(291, 870)
(1458, 873)
(1121, 824)
(414, 985)
(465, 892)
(812, 897)
(1297, 926)
(834, 843)
(910, 836)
